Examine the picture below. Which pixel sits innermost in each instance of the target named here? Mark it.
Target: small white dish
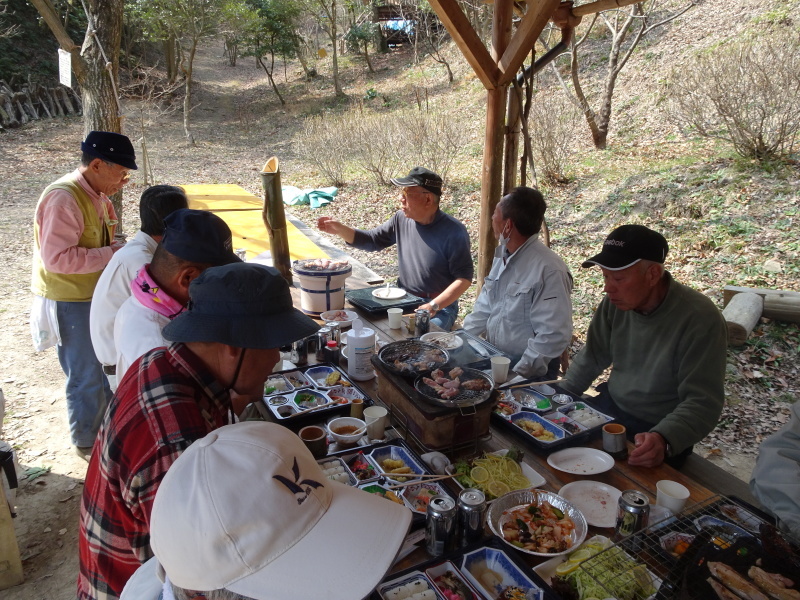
(581, 461)
(336, 317)
(597, 501)
(443, 339)
(392, 293)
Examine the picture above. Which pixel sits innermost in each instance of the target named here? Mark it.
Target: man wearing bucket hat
(73, 240)
(224, 347)
(193, 241)
(259, 541)
(114, 285)
(666, 345)
(433, 248)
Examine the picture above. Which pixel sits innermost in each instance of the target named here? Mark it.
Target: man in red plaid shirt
(224, 348)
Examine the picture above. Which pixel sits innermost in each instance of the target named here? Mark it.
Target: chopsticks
(415, 475)
(407, 483)
(306, 410)
(529, 384)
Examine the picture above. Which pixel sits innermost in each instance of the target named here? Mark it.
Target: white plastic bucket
(321, 291)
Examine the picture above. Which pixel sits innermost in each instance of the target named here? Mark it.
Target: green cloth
(668, 367)
(315, 197)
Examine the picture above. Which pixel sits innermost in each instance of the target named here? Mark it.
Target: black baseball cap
(627, 245)
(198, 236)
(110, 147)
(423, 178)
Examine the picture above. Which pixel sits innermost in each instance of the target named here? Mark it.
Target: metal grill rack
(718, 531)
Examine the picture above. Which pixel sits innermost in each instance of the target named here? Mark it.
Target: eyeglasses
(125, 174)
(406, 193)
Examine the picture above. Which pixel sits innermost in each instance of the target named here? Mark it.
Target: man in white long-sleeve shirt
(114, 285)
(524, 308)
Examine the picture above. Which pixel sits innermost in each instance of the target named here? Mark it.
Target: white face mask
(504, 239)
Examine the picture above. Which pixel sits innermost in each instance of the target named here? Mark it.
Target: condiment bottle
(332, 353)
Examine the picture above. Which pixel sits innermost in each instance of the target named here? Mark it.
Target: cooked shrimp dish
(539, 527)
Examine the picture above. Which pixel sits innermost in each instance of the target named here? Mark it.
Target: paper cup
(376, 417)
(671, 495)
(395, 317)
(500, 368)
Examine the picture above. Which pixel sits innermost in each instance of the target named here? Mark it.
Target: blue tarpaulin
(315, 197)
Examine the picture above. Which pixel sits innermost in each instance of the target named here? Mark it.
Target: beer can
(471, 514)
(423, 321)
(633, 512)
(336, 331)
(242, 253)
(300, 352)
(322, 343)
(440, 525)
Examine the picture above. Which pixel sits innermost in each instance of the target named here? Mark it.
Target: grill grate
(463, 397)
(415, 357)
(718, 531)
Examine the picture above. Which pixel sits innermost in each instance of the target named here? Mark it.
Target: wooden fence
(34, 102)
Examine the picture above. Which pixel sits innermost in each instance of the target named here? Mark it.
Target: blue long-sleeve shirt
(431, 257)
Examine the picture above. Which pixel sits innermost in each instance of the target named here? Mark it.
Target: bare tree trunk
(366, 57)
(170, 59)
(269, 71)
(337, 85)
(187, 98)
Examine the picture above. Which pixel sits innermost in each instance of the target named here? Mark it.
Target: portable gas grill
(433, 426)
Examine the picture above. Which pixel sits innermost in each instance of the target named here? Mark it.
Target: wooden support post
(741, 314)
(275, 218)
(492, 174)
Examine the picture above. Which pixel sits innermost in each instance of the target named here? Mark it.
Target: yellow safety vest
(71, 287)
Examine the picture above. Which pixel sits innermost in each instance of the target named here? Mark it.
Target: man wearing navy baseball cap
(666, 345)
(193, 241)
(73, 241)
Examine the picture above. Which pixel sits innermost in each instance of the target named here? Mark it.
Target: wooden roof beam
(470, 44)
(525, 38)
(601, 5)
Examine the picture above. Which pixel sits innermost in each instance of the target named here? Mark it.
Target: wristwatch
(434, 307)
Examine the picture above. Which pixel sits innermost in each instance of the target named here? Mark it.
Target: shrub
(747, 93)
(325, 141)
(553, 127)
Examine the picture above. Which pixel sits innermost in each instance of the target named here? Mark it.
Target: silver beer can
(633, 512)
(423, 324)
(242, 254)
(440, 525)
(336, 331)
(322, 343)
(471, 515)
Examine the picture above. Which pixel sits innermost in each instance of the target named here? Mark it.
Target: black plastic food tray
(417, 519)
(363, 299)
(457, 555)
(313, 417)
(545, 447)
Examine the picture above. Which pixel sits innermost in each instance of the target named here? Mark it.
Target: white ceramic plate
(581, 461)
(597, 501)
(392, 293)
(443, 339)
(332, 314)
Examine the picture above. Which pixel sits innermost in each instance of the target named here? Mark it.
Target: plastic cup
(500, 368)
(395, 317)
(376, 417)
(671, 495)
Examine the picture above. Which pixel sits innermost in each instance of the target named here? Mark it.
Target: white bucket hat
(248, 509)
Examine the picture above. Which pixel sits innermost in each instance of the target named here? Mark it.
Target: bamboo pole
(275, 218)
(601, 5)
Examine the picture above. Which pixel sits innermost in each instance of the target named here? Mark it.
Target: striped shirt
(167, 400)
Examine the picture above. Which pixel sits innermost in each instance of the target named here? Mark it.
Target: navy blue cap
(111, 147)
(198, 236)
(245, 305)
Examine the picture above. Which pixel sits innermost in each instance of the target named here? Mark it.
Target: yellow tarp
(241, 210)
